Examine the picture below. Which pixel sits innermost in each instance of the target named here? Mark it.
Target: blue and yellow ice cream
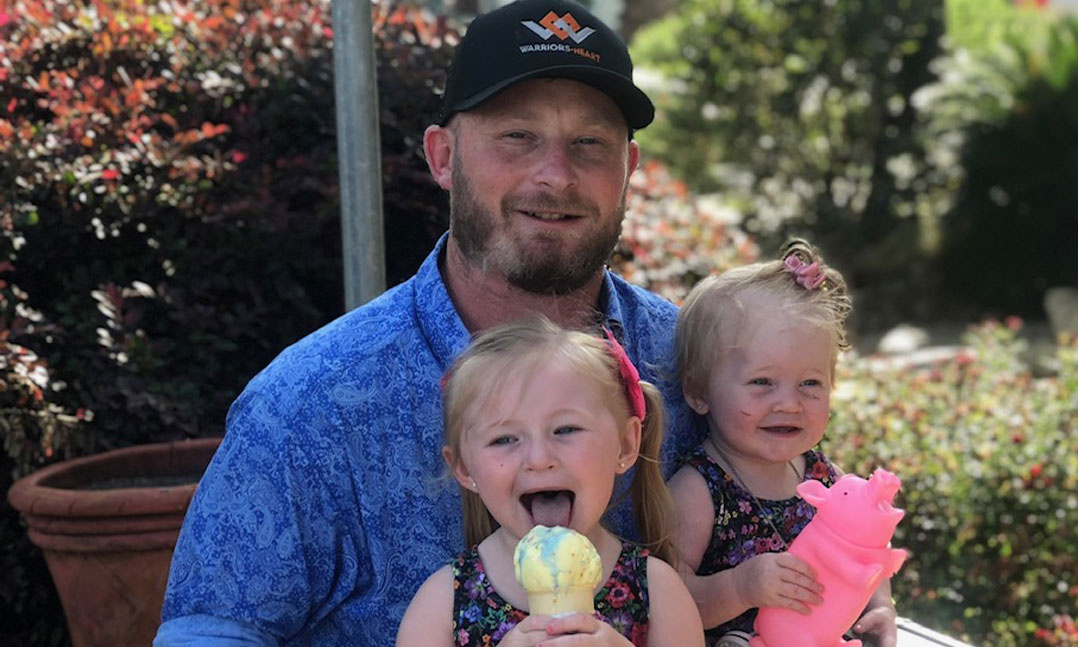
(559, 569)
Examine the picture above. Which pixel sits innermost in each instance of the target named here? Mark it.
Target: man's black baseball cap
(530, 39)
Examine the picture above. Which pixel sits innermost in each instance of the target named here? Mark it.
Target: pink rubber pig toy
(847, 543)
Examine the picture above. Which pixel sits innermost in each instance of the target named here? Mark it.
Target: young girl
(757, 348)
(538, 423)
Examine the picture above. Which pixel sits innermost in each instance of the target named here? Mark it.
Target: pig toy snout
(885, 484)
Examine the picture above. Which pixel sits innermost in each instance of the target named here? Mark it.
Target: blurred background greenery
(919, 142)
(169, 209)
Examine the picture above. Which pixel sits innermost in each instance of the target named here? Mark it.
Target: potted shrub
(107, 523)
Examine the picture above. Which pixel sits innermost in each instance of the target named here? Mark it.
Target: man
(324, 508)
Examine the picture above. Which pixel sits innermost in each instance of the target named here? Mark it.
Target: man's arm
(259, 554)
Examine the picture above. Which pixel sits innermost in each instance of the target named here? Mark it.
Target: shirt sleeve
(272, 542)
(203, 631)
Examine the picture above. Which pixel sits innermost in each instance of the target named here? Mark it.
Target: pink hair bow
(808, 275)
(629, 374)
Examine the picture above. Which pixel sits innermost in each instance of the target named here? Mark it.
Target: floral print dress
(481, 617)
(741, 531)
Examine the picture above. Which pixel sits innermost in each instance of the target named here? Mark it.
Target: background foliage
(994, 128)
(820, 119)
(793, 111)
(672, 238)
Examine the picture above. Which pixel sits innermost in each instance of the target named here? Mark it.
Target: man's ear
(460, 470)
(634, 156)
(630, 444)
(438, 147)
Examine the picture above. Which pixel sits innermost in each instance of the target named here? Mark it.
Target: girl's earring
(473, 484)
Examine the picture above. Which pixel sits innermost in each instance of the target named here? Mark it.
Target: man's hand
(879, 622)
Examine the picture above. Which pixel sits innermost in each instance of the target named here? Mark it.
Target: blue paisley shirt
(327, 504)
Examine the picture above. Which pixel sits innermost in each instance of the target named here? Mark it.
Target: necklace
(744, 486)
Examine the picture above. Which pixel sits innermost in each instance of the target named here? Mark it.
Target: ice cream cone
(559, 569)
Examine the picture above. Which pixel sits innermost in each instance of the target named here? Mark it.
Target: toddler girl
(757, 348)
(539, 421)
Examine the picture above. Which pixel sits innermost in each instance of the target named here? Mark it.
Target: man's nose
(554, 168)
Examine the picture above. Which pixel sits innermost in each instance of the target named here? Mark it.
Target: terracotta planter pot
(107, 524)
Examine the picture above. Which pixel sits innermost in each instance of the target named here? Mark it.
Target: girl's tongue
(552, 508)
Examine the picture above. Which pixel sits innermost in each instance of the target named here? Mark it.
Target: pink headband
(807, 275)
(629, 374)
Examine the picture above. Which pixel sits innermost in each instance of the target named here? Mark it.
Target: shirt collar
(439, 323)
(610, 306)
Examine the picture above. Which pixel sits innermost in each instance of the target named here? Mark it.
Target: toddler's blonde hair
(713, 318)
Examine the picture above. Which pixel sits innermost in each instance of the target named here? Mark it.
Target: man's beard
(555, 271)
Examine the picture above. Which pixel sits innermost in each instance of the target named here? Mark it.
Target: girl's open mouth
(550, 507)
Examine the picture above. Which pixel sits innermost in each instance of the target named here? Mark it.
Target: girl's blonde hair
(716, 311)
(474, 378)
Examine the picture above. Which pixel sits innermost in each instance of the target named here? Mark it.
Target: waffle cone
(561, 602)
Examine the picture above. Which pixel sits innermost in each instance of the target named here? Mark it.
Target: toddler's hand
(880, 623)
(777, 580)
(581, 630)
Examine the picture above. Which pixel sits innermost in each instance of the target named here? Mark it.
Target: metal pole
(358, 152)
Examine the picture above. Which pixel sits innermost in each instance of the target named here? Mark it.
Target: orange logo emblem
(563, 27)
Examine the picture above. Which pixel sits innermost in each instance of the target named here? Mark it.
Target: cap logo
(563, 27)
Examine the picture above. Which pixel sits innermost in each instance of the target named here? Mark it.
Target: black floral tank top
(740, 532)
(481, 617)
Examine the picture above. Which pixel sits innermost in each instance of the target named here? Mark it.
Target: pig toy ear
(814, 492)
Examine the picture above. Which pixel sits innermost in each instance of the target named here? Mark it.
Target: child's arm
(879, 618)
(715, 595)
(429, 617)
(696, 521)
(672, 617)
(772, 579)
